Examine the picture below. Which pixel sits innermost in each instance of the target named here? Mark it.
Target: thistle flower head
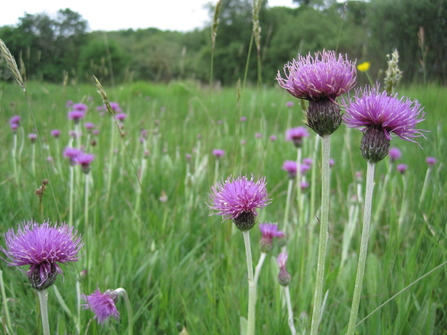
(42, 247)
(431, 161)
(32, 137)
(55, 133)
(84, 160)
(380, 116)
(402, 168)
(284, 277)
(268, 231)
(102, 304)
(80, 107)
(291, 168)
(76, 115)
(296, 135)
(218, 153)
(121, 116)
(71, 154)
(323, 77)
(395, 154)
(238, 199)
(15, 120)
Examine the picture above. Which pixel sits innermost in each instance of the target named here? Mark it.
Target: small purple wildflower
(32, 137)
(89, 126)
(289, 104)
(15, 120)
(304, 168)
(84, 160)
(71, 154)
(284, 278)
(379, 116)
(76, 115)
(296, 135)
(331, 162)
(115, 107)
(431, 161)
(273, 138)
(402, 168)
(69, 103)
(268, 231)
(243, 119)
(238, 199)
(121, 116)
(291, 168)
(394, 154)
(304, 185)
(307, 161)
(42, 247)
(258, 135)
(80, 107)
(102, 304)
(14, 126)
(218, 153)
(55, 133)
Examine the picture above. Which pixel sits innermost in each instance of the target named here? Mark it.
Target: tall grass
(185, 270)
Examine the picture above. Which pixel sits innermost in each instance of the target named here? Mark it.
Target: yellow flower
(363, 67)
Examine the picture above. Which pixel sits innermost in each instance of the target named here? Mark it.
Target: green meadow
(147, 227)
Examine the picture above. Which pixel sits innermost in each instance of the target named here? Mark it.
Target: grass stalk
(5, 305)
(122, 292)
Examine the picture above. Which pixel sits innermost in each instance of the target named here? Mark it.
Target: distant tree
(47, 46)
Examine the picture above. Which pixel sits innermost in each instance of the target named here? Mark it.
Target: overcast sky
(181, 15)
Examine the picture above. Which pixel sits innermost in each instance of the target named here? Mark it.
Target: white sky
(181, 15)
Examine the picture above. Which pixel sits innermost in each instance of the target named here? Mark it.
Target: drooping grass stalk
(251, 318)
(43, 299)
(122, 292)
(324, 224)
(5, 305)
(214, 28)
(289, 310)
(66, 309)
(363, 248)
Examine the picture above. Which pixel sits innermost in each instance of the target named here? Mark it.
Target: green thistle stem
(258, 267)
(251, 286)
(43, 299)
(363, 248)
(14, 159)
(286, 211)
(324, 223)
(289, 311)
(122, 292)
(70, 210)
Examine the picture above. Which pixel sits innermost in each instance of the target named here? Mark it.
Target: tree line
(61, 49)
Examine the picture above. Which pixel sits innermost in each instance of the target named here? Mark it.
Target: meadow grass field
(147, 227)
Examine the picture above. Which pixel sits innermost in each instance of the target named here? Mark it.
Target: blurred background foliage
(62, 48)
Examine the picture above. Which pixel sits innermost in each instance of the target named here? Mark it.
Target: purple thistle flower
(89, 125)
(284, 278)
(121, 116)
(431, 161)
(331, 162)
(69, 103)
(289, 104)
(402, 168)
(238, 199)
(395, 154)
(84, 160)
(273, 138)
(80, 107)
(307, 161)
(320, 79)
(102, 304)
(243, 119)
(71, 154)
(304, 168)
(291, 168)
(115, 107)
(258, 135)
(42, 247)
(15, 120)
(32, 137)
(14, 126)
(218, 153)
(55, 133)
(304, 185)
(268, 231)
(76, 115)
(296, 135)
(379, 116)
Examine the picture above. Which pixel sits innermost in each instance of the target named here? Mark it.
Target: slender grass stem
(251, 319)
(298, 186)
(363, 248)
(5, 305)
(287, 209)
(424, 187)
(70, 210)
(324, 223)
(14, 159)
(43, 299)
